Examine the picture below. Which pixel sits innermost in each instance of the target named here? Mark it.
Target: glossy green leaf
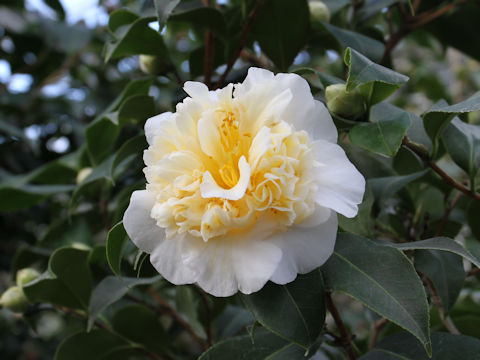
(102, 133)
(119, 18)
(200, 15)
(141, 325)
(188, 303)
(440, 114)
(110, 290)
(295, 311)
(462, 142)
(473, 214)
(372, 7)
(23, 196)
(387, 186)
(281, 29)
(445, 269)
(336, 5)
(440, 243)
(383, 136)
(325, 79)
(164, 8)
(136, 38)
(383, 279)
(68, 281)
(371, 48)
(445, 346)
(264, 345)
(375, 82)
(94, 345)
(362, 223)
(117, 238)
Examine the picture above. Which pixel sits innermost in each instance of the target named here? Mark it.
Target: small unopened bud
(14, 299)
(26, 275)
(348, 104)
(152, 65)
(319, 11)
(83, 174)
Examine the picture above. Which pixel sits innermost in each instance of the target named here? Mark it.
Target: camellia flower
(243, 186)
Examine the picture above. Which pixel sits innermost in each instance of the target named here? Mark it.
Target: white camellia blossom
(243, 186)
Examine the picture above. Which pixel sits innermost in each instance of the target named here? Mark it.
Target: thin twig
(413, 22)
(446, 320)
(447, 178)
(473, 272)
(241, 43)
(376, 328)
(177, 317)
(345, 337)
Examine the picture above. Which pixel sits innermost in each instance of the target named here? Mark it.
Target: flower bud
(14, 299)
(319, 11)
(26, 275)
(152, 65)
(83, 174)
(348, 104)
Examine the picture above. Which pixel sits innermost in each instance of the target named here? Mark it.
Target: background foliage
(73, 103)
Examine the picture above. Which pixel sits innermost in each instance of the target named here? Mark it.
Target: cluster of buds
(13, 298)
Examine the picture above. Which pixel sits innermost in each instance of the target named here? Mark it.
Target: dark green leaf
(264, 345)
(111, 289)
(137, 38)
(281, 29)
(57, 6)
(462, 142)
(371, 48)
(23, 196)
(119, 18)
(336, 5)
(68, 281)
(387, 186)
(473, 214)
(203, 16)
(440, 243)
(188, 303)
(374, 81)
(116, 240)
(141, 325)
(384, 135)
(383, 280)
(164, 8)
(325, 79)
(439, 116)
(362, 223)
(295, 311)
(446, 272)
(445, 346)
(94, 345)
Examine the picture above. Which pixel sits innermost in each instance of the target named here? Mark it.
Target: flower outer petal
(210, 189)
(138, 223)
(304, 249)
(340, 185)
(155, 124)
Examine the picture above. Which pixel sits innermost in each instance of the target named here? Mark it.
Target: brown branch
(413, 22)
(208, 59)
(447, 178)
(177, 317)
(345, 337)
(473, 272)
(241, 43)
(376, 328)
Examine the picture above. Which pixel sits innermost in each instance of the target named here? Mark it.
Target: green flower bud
(26, 275)
(152, 65)
(348, 104)
(14, 299)
(319, 11)
(83, 174)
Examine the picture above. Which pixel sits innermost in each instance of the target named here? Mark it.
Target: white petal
(318, 123)
(226, 265)
(260, 144)
(167, 258)
(197, 91)
(210, 189)
(304, 249)
(254, 77)
(208, 134)
(319, 216)
(156, 124)
(138, 223)
(340, 184)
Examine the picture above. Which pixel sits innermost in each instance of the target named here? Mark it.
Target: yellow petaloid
(241, 184)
